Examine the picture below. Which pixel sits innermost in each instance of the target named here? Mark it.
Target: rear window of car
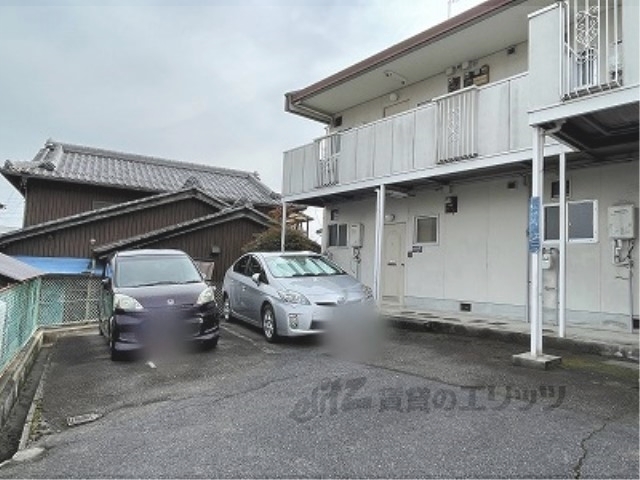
(301, 266)
(148, 270)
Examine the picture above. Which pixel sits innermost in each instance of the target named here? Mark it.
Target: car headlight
(126, 303)
(206, 296)
(368, 292)
(290, 296)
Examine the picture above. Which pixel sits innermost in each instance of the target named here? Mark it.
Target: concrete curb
(28, 423)
(17, 371)
(569, 344)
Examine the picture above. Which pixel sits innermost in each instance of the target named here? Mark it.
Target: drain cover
(82, 419)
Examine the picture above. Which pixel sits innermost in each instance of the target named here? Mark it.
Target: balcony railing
(455, 127)
(327, 152)
(592, 50)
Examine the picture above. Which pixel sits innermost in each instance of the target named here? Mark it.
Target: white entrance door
(393, 263)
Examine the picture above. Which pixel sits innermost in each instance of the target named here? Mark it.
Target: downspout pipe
(283, 232)
(562, 220)
(557, 126)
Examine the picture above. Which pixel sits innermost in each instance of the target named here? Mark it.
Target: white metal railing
(441, 131)
(592, 50)
(327, 153)
(457, 125)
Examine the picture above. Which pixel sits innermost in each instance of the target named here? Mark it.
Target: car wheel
(269, 328)
(210, 344)
(226, 309)
(115, 354)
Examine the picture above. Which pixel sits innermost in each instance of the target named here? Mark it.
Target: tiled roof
(226, 215)
(108, 212)
(17, 270)
(79, 164)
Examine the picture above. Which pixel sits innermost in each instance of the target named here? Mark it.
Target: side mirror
(106, 283)
(256, 278)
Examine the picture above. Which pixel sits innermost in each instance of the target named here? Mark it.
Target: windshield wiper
(153, 284)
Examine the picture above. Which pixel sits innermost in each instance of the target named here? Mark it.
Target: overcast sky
(202, 83)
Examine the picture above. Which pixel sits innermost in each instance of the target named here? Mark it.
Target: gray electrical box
(621, 219)
(356, 232)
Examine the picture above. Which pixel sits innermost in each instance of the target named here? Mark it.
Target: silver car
(291, 293)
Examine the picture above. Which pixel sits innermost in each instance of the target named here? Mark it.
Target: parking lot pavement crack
(413, 374)
(577, 469)
(211, 398)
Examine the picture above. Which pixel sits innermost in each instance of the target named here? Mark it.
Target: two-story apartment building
(441, 166)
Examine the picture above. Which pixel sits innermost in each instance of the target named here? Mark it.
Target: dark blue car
(156, 299)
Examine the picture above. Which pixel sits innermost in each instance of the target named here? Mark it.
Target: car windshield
(301, 266)
(150, 270)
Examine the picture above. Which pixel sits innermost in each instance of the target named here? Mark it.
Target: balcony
(583, 49)
(583, 69)
(457, 127)
(591, 34)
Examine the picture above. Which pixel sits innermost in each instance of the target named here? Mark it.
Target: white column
(562, 259)
(377, 262)
(283, 233)
(535, 305)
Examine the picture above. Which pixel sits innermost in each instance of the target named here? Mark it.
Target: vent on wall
(465, 307)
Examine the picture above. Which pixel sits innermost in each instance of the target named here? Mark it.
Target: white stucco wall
(501, 66)
(481, 257)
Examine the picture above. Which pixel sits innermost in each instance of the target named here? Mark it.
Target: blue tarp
(61, 265)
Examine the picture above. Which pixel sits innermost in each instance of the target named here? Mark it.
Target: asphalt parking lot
(426, 405)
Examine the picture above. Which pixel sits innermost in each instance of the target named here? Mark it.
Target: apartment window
(426, 230)
(338, 235)
(582, 221)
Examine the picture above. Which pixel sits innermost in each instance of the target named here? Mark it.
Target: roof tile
(75, 163)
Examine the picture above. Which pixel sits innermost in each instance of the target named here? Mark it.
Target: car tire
(210, 344)
(227, 316)
(269, 328)
(116, 356)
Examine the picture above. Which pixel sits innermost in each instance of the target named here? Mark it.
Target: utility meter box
(356, 232)
(622, 223)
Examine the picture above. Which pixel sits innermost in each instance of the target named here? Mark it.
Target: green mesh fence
(69, 299)
(46, 301)
(18, 318)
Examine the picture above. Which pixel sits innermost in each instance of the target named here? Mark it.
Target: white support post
(535, 358)
(283, 233)
(379, 238)
(562, 259)
(537, 181)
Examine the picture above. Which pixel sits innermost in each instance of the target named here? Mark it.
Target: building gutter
(444, 29)
(296, 107)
